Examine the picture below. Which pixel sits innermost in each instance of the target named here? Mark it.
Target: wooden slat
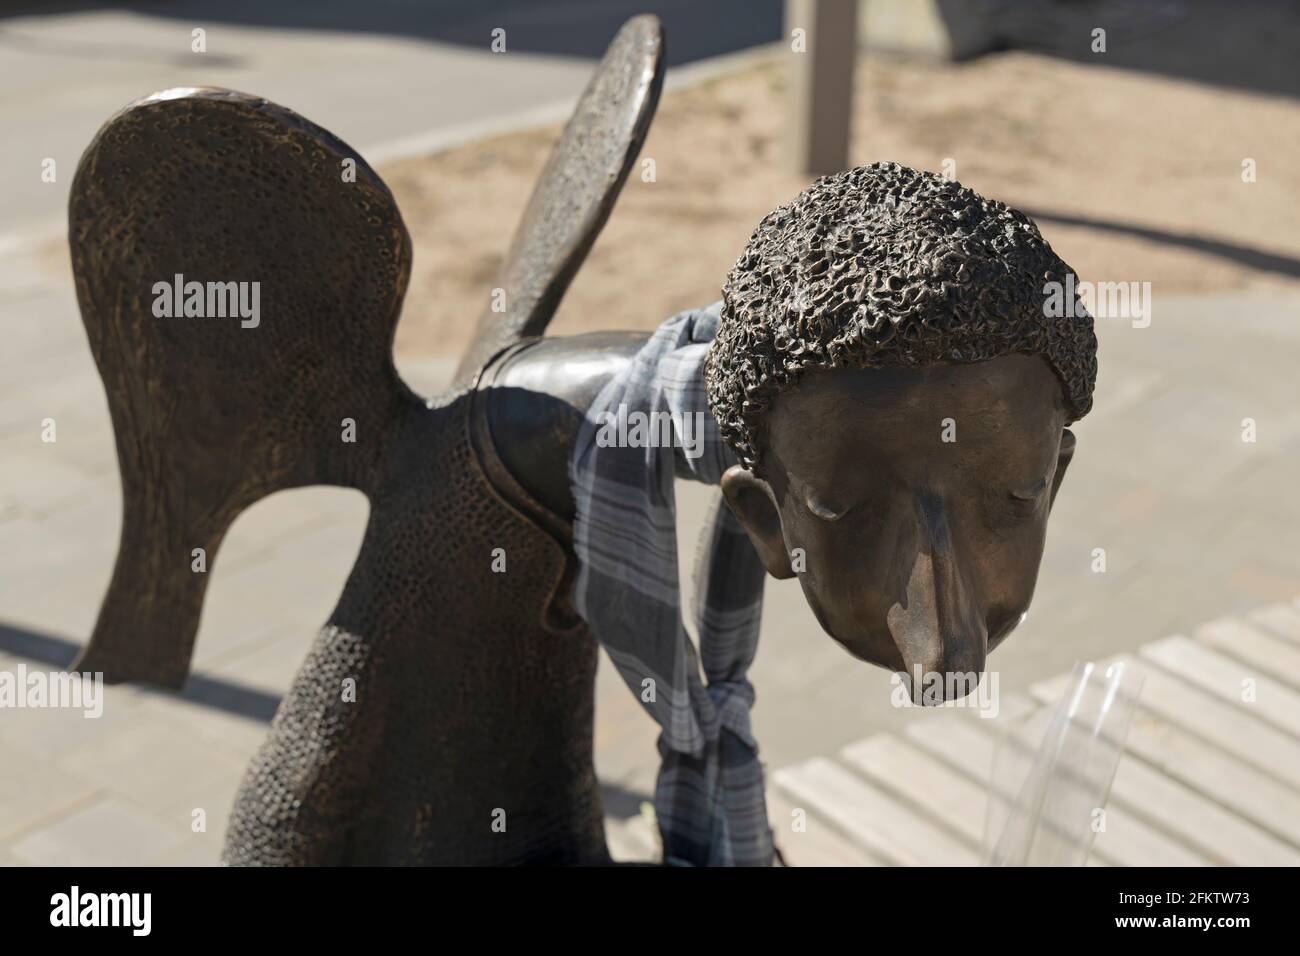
(1223, 837)
(1275, 656)
(1223, 778)
(923, 782)
(1126, 842)
(818, 844)
(1012, 707)
(1229, 728)
(1218, 775)
(1199, 821)
(1208, 777)
(1280, 619)
(1222, 676)
(874, 820)
(961, 744)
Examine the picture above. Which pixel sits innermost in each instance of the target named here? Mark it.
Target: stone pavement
(412, 69)
(1195, 524)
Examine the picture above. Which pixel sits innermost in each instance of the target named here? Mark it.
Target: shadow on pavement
(1250, 46)
(575, 28)
(234, 698)
(1244, 255)
(205, 691)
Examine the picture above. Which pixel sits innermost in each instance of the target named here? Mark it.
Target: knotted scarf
(648, 425)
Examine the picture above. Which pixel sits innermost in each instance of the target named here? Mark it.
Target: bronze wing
(576, 190)
(212, 414)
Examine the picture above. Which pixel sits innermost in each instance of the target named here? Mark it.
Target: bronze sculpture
(878, 304)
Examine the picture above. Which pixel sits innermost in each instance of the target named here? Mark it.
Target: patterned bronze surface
(210, 416)
(473, 690)
(470, 698)
(884, 266)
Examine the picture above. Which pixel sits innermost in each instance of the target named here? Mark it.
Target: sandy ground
(1131, 177)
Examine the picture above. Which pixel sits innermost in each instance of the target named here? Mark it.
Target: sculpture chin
(926, 684)
(913, 652)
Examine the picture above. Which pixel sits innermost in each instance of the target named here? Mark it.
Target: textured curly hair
(886, 266)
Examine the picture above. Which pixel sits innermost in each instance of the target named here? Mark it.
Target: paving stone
(198, 849)
(291, 591)
(270, 666)
(109, 832)
(273, 522)
(1157, 481)
(57, 336)
(37, 482)
(235, 623)
(55, 732)
(159, 766)
(60, 599)
(239, 734)
(33, 787)
(21, 413)
(26, 542)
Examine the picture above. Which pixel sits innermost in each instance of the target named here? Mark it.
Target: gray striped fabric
(645, 427)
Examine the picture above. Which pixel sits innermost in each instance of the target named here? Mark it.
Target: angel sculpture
(879, 304)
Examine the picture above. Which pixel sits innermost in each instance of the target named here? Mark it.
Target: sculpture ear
(1063, 459)
(752, 502)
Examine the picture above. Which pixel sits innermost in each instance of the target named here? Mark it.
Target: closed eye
(825, 511)
(1031, 493)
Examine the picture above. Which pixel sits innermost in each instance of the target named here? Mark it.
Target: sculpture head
(897, 394)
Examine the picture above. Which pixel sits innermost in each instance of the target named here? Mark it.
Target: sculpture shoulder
(536, 398)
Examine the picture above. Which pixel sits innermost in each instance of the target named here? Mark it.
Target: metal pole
(822, 36)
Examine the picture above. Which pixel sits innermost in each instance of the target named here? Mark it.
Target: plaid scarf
(648, 425)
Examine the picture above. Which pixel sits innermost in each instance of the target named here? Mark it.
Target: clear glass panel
(1051, 774)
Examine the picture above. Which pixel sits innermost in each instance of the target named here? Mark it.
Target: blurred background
(1161, 150)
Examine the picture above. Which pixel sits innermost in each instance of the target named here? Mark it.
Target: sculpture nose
(938, 627)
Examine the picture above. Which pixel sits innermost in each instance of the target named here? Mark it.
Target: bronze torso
(428, 753)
